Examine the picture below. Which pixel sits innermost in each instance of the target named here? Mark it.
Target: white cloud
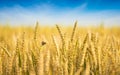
(48, 15)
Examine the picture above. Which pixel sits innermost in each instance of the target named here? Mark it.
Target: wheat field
(59, 50)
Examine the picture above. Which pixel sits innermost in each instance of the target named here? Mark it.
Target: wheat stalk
(73, 32)
(61, 35)
(35, 32)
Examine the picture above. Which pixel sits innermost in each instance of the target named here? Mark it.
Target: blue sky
(64, 12)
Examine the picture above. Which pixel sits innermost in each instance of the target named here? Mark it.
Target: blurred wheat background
(59, 50)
